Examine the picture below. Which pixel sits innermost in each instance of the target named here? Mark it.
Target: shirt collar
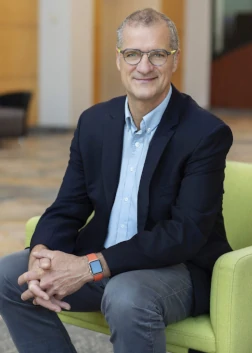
(152, 119)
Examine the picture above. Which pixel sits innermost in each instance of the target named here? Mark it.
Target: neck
(139, 108)
(138, 111)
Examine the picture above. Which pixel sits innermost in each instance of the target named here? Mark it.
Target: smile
(145, 80)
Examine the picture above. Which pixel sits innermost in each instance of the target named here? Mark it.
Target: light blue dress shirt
(123, 218)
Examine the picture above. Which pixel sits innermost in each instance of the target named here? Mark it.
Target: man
(151, 167)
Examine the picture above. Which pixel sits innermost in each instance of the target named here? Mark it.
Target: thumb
(43, 253)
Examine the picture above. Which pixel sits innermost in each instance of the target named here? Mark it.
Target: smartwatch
(95, 267)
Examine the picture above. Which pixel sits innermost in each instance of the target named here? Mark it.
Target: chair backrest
(16, 99)
(20, 100)
(237, 204)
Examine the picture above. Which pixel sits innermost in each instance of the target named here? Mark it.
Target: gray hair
(148, 17)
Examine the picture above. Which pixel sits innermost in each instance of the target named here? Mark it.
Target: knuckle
(40, 271)
(38, 300)
(32, 287)
(43, 285)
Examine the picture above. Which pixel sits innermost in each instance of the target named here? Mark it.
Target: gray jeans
(137, 306)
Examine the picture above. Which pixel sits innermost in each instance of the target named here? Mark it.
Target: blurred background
(57, 58)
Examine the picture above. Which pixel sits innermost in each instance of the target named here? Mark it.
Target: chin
(143, 95)
(144, 98)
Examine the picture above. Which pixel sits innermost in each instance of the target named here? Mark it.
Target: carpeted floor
(84, 341)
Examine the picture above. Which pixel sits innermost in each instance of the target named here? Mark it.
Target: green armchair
(228, 327)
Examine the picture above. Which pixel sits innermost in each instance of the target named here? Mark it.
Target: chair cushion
(11, 122)
(94, 321)
(195, 333)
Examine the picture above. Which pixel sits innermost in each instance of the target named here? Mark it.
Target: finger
(45, 263)
(27, 295)
(58, 297)
(47, 304)
(22, 279)
(51, 292)
(46, 284)
(30, 275)
(43, 253)
(35, 289)
(55, 301)
(60, 303)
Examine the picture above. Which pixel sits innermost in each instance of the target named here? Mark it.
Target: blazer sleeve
(193, 214)
(58, 227)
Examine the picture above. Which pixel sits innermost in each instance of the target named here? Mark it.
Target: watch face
(96, 267)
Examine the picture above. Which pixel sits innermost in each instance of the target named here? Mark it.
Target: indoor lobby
(62, 53)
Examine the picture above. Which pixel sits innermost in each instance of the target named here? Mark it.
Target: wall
(18, 43)
(65, 61)
(54, 63)
(197, 50)
(82, 59)
(175, 9)
(231, 88)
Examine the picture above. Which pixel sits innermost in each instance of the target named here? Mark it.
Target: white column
(65, 61)
(197, 50)
(82, 43)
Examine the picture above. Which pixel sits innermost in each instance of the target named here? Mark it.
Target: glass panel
(232, 24)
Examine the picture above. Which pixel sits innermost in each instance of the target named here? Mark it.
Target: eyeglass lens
(133, 57)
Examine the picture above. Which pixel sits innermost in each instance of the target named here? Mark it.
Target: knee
(126, 302)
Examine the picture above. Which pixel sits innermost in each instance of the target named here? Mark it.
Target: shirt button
(148, 130)
(137, 144)
(126, 199)
(122, 225)
(131, 169)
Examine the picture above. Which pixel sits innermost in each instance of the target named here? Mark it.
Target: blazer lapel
(161, 138)
(112, 149)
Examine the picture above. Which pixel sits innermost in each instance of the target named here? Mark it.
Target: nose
(144, 66)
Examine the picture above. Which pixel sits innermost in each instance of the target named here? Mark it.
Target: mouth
(145, 80)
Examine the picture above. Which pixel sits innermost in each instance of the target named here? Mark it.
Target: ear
(118, 60)
(176, 60)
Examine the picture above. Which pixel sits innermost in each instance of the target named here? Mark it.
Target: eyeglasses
(156, 57)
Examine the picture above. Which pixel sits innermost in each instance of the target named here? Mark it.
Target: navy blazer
(179, 198)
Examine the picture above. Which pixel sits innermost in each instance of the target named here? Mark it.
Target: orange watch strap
(98, 277)
(93, 257)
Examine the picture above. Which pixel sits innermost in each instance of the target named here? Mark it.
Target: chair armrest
(231, 301)
(29, 229)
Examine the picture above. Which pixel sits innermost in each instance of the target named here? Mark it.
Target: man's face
(146, 81)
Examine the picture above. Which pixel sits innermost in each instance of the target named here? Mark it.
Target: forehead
(146, 38)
